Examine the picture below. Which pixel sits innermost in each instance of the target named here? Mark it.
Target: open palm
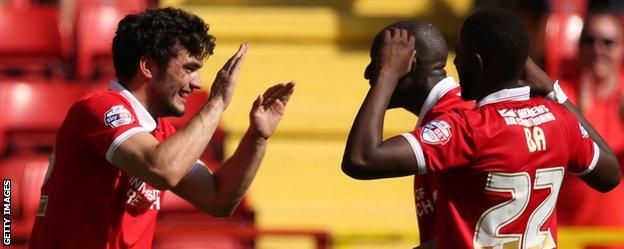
(268, 109)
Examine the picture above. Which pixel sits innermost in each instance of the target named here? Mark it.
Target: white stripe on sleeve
(120, 139)
(593, 162)
(420, 157)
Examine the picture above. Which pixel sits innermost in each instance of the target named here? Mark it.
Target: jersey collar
(436, 93)
(511, 94)
(145, 119)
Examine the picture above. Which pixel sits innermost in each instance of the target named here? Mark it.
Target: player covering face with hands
(116, 154)
(499, 166)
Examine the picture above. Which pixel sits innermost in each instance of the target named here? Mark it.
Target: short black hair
(154, 33)
(429, 42)
(500, 38)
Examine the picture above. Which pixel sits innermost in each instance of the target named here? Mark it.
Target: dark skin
(426, 71)
(428, 68)
(478, 77)
(606, 175)
(407, 91)
(368, 156)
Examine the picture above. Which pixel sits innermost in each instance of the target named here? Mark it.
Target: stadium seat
(95, 26)
(27, 172)
(33, 41)
(33, 111)
(95, 29)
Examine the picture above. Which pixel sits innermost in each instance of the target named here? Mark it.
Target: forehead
(182, 56)
(604, 25)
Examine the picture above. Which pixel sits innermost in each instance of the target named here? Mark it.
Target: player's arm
(219, 194)
(606, 174)
(431, 244)
(164, 164)
(366, 155)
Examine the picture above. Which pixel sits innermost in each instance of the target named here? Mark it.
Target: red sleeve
(583, 156)
(106, 121)
(445, 142)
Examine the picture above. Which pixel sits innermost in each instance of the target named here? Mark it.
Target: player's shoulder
(98, 101)
(101, 97)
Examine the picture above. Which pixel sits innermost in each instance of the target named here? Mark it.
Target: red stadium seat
(27, 172)
(95, 26)
(33, 111)
(95, 30)
(32, 42)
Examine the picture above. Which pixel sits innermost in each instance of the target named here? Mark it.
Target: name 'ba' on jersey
(500, 167)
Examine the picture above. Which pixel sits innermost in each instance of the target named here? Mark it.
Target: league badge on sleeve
(117, 116)
(436, 132)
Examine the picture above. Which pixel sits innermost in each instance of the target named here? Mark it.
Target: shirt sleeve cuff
(593, 162)
(120, 139)
(418, 153)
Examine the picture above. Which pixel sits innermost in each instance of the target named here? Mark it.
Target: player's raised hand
(225, 82)
(540, 83)
(397, 52)
(268, 109)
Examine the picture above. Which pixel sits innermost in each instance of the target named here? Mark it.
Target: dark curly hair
(154, 33)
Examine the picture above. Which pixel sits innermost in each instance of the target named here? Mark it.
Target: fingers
(281, 92)
(258, 102)
(399, 35)
(237, 58)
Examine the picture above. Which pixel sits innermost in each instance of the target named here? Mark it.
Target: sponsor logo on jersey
(436, 132)
(527, 117)
(142, 196)
(118, 116)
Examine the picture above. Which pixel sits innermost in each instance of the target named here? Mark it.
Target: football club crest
(436, 132)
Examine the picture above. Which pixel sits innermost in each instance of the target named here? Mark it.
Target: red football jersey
(444, 97)
(86, 202)
(499, 168)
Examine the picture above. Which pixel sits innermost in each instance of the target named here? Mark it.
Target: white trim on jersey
(512, 94)
(420, 157)
(145, 118)
(593, 162)
(120, 139)
(436, 93)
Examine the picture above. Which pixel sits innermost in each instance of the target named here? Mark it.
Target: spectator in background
(597, 88)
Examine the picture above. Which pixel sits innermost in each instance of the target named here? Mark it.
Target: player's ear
(478, 62)
(147, 67)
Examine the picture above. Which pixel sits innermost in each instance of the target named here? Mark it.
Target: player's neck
(493, 86)
(425, 81)
(141, 93)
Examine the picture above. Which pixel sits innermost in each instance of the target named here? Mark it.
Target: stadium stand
(39, 52)
(95, 25)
